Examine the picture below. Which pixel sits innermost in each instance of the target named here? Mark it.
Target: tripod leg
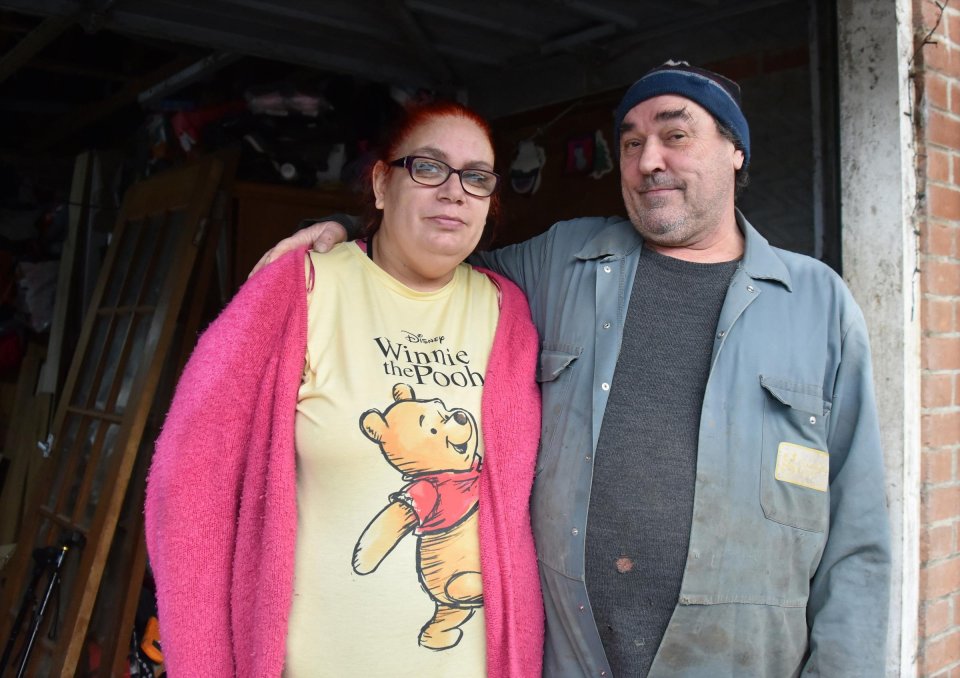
(52, 584)
(29, 600)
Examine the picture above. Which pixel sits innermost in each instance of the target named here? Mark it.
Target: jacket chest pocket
(795, 466)
(554, 376)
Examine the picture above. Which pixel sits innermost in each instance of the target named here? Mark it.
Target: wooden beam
(492, 25)
(69, 124)
(34, 41)
(270, 44)
(50, 373)
(52, 66)
(578, 38)
(196, 71)
(420, 42)
(589, 9)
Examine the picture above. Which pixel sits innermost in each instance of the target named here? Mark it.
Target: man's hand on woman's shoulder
(320, 237)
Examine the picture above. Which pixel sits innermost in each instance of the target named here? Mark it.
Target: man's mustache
(658, 181)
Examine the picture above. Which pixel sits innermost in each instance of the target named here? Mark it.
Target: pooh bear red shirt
(389, 452)
(441, 500)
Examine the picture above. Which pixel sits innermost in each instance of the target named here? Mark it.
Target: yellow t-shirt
(387, 572)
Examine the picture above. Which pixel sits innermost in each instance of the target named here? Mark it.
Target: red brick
(937, 467)
(940, 654)
(938, 165)
(937, 317)
(940, 580)
(936, 617)
(940, 430)
(952, 21)
(941, 503)
(943, 129)
(937, 54)
(940, 277)
(937, 88)
(955, 99)
(944, 202)
(936, 543)
(938, 239)
(930, 16)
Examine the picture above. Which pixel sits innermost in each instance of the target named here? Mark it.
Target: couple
(708, 496)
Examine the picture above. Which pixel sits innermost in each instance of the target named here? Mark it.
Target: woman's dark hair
(411, 119)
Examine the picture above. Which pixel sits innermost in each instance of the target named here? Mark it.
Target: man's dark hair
(742, 175)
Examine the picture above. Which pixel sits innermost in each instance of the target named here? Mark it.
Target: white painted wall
(878, 194)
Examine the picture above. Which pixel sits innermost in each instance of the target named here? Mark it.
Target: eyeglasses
(432, 172)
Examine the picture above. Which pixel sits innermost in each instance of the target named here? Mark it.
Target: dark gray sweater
(641, 503)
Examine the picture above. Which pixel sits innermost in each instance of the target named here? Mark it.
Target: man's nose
(651, 157)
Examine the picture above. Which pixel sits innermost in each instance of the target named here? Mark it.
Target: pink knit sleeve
(195, 482)
(513, 603)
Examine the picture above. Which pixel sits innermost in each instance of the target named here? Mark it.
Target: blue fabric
(780, 579)
(718, 95)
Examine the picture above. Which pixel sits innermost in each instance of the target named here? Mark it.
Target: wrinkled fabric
(780, 578)
(221, 514)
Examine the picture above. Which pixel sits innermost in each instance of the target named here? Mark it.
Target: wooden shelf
(263, 214)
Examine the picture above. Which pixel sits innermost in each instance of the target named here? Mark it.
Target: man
(709, 497)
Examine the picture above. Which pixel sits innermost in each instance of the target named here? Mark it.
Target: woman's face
(431, 229)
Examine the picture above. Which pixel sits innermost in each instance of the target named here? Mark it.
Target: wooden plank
(189, 190)
(30, 419)
(67, 125)
(78, 212)
(115, 630)
(116, 634)
(34, 41)
(205, 180)
(67, 68)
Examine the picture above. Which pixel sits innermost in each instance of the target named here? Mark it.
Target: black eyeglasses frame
(407, 163)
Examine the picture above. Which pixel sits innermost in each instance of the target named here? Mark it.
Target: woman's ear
(378, 178)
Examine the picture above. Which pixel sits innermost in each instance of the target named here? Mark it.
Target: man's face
(676, 172)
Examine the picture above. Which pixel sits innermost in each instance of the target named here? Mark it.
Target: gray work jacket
(789, 557)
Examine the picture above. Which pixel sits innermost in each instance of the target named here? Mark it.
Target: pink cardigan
(221, 507)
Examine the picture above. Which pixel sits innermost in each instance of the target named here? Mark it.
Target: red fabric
(221, 510)
(441, 500)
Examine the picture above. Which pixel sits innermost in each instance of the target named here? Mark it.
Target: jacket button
(606, 326)
(605, 386)
(574, 532)
(813, 420)
(751, 288)
(606, 269)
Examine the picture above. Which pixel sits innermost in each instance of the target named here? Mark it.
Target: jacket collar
(760, 260)
(619, 238)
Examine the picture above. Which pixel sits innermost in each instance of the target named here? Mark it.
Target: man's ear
(738, 159)
(379, 178)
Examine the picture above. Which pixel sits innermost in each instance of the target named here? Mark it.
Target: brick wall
(937, 76)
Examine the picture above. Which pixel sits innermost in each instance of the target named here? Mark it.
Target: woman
(342, 482)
